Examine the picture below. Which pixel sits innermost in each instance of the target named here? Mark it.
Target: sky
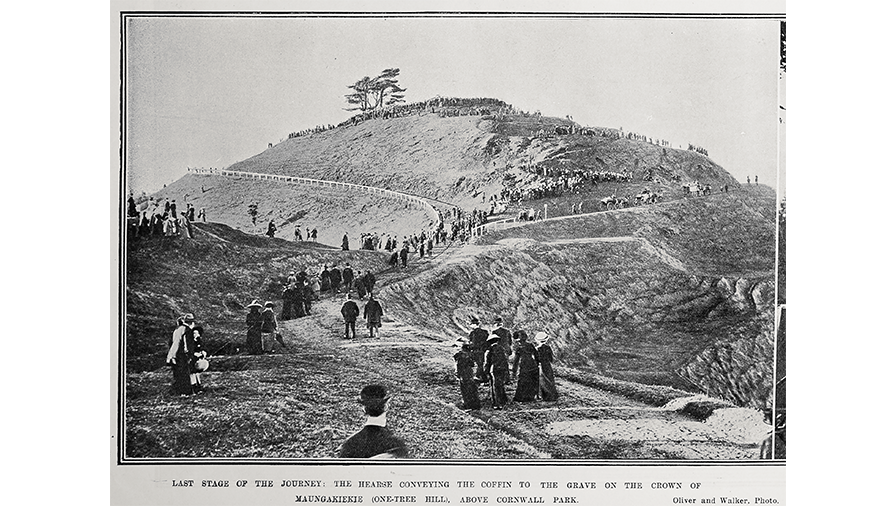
(211, 91)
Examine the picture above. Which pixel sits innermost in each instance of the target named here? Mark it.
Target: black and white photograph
(450, 237)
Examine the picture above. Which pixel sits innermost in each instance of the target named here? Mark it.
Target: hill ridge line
(395, 195)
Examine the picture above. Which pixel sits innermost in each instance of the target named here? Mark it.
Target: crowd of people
(160, 219)
(698, 149)
(499, 358)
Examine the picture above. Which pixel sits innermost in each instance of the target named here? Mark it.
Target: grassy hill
(669, 297)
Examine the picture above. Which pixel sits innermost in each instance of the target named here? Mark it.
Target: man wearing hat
(477, 338)
(506, 341)
(374, 440)
(253, 328)
(184, 351)
(350, 312)
(373, 313)
(497, 370)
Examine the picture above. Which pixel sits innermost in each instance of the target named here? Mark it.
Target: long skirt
(253, 343)
(499, 395)
(547, 386)
(527, 386)
(182, 371)
(469, 390)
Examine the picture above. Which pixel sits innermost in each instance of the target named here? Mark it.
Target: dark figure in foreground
(253, 328)
(497, 370)
(469, 387)
(185, 351)
(547, 386)
(374, 440)
(525, 361)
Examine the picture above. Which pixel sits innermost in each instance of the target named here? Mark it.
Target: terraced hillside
(648, 304)
(679, 294)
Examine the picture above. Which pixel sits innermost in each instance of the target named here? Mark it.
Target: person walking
(335, 279)
(183, 354)
(268, 327)
(369, 281)
(373, 314)
(324, 280)
(374, 440)
(253, 328)
(272, 229)
(465, 367)
(546, 385)
(495, 364)
(504, 333)
(345, 242)
(403, 255)
(478, 337)
(525, 361)
(350, 314)
(348, 277)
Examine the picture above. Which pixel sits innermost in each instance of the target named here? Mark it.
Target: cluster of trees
(376, 93)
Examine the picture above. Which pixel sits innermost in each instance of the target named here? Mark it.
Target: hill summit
(649, 265)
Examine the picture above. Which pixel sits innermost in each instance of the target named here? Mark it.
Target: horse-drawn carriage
(613, 202)
(647, 197)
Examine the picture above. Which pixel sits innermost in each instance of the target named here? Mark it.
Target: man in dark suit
(374, 440)
(477, 338)
(350, 314)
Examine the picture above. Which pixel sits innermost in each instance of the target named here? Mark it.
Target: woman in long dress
(547, 386)
(465, 371)
(182, 355)
(253, 328)
(525, 362)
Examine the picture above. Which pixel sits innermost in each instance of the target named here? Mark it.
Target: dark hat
(254, 304)
(373, 395)
(268, 304)
(498, 319)
(474, 320)
(189, 318)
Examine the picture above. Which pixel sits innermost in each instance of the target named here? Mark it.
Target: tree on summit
(371, 94)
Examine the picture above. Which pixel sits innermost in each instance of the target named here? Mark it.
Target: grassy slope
(617, 307)
(689, 294)
(333, 214)
(213, 276)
